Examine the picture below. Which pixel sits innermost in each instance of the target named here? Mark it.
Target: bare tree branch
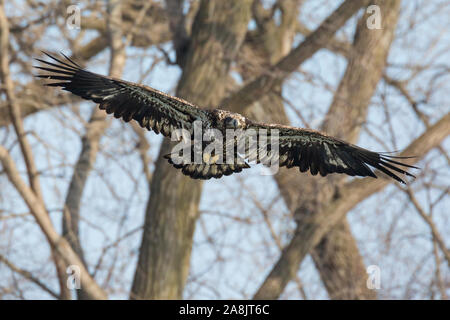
(151, 14)
(90, 142)
(311, 229)
(28, 275)
(430, 223)
(337, 257)
(172, 209)
(40, 213)
(257, 88)
(14, 108)
(25, 147)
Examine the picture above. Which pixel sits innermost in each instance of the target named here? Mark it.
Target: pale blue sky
(246, 250)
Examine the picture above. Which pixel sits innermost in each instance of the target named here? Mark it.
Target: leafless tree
(78, 189)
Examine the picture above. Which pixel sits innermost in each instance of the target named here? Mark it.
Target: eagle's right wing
(320, 153)
(151, 108)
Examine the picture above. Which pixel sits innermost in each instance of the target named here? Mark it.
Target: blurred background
(89, 209)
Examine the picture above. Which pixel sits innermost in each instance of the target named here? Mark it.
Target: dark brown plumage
(157, 111)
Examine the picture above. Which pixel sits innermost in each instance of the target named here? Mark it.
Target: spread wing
(319, 153)
(157, 111)
(153, 109)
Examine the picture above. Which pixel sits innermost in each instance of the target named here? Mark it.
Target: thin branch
(42, 218)
(143, 146)
(401, 87)
(434, 231)
(311, 229)
(25, 147)
(29, 276)
(439, 281)
(90, 142)
(257, 88)
(14, 108)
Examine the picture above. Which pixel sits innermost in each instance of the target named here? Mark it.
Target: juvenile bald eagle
(162, 113)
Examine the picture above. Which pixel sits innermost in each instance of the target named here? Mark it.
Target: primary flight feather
(162, 113)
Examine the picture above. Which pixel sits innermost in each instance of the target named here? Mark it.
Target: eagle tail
(206, 171)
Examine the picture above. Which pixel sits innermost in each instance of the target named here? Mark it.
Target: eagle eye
(231, 122)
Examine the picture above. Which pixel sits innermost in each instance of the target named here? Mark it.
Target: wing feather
(319, 153)
(151, 108)
(157, 111)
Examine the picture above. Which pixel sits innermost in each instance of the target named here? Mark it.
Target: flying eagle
(303, 148)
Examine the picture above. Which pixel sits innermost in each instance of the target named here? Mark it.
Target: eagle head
(233, 121)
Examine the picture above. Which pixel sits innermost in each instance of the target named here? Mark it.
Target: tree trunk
(337, 257)
(314, 227)
(172, 209)
(90, 142)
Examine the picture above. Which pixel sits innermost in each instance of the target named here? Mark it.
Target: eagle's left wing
(319, 153)
(151, 108)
